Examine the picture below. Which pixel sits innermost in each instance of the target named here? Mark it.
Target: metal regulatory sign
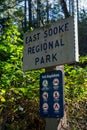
(51, 94)
(52, 45)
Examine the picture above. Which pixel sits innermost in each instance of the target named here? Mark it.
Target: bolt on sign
(51, 45)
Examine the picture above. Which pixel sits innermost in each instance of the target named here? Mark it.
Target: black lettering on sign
(36, 60)
(42, 60)
(54, 58)
(56, 30)
(61, 28)
(32, 38)
(46, 59)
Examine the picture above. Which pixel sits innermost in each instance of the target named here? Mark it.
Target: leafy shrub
(76, 81)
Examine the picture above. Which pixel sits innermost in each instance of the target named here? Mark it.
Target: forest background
(19, 91)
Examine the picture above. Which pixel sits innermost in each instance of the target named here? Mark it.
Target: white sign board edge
(53, 45)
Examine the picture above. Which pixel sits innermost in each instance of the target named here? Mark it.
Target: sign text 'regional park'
(51, 45)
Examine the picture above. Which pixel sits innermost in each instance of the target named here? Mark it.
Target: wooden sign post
(56, 123)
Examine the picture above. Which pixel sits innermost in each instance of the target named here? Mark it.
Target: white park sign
(55, 44)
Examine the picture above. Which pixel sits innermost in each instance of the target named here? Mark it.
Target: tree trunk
(30, 13)
(64, 8)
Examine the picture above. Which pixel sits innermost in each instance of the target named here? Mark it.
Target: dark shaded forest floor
(77, 115)
(24, 115)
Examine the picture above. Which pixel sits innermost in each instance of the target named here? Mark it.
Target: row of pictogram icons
(55, 95)
(56, 107)
(55, 82)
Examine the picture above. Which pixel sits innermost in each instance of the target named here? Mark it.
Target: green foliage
(77, 114)
(19, 91)
(12, 78)
(10, 57)
(76, 81)
(22, 114)
(76, 94)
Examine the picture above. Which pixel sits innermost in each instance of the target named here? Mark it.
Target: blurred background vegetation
(19, 91)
